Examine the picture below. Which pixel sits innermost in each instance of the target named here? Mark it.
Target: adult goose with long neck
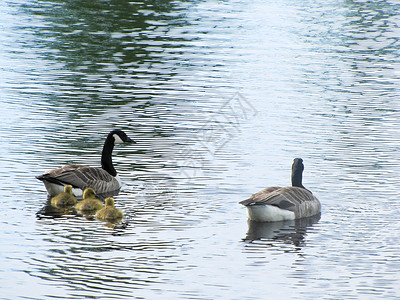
(103, 180)
(283, 203)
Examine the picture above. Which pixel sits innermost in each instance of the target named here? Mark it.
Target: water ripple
(220, 97)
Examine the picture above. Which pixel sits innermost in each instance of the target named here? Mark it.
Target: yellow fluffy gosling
(64, 199)
(109, 212)
(90, 204)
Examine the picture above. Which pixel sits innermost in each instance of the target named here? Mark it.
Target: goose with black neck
(283, 203)
(103, 180)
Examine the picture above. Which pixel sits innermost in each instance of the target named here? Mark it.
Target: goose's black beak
(129, 140)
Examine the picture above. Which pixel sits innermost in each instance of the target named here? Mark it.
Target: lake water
(220, 97)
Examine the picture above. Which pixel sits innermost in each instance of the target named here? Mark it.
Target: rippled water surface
(220, 97)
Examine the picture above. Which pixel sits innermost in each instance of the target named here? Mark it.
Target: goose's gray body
(283, 203)
(103, 180)
(80, 177)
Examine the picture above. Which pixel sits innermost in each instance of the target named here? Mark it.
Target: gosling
(109, 212)
(64, 199)
(90, 204)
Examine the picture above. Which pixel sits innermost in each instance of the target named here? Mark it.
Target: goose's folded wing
(253, 199)
(78, 176)
(286, 198)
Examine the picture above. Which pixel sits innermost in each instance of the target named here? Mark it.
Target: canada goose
(109, 212)
(65, 198)
(102, 180)
(90, 204)
(283, 203)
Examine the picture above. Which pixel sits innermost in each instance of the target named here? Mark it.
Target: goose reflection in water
(292, 231)
(51, 211)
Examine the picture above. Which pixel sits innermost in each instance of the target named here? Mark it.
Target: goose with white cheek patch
(102, 180)
(283, 203)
